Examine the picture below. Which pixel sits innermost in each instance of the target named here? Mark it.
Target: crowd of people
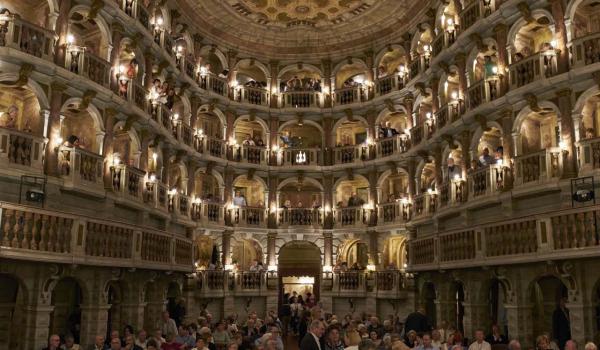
(297, 84)
(303, 317)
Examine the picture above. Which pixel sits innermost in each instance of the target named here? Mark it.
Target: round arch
(292, 67)
(208, 109)
(521, 22)
(387, 173)
(345, 178)
(387, 49)
(292, 180)
(217, 52)
(472, 56)
(523, 113)
(295, 122)
(7, 79)
(102, 26)
(91, 109)
(348, 61)
(256, 63)
(479, 133)
(355, 118)
(248, 118)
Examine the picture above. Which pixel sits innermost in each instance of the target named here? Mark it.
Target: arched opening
(299, 269)
(538, 131)
(423, 119)
(394, 61)
(66, 315)
(352, 193)
(301, 144)
(395, 254)
(352, 82)
(175, 302)
(302, 78)
(209, 125)
(427, 178)
(211, 62)
(497, 311)
(488, 148)
(449, 89)
(33, 11)
(421, 51)
(532, 38)
(249, 133)
(445, 26)
(247, 254)
(11, 303)
(584, 22)
(129, 70)
(546, 294)
(126, 148)
(392, 124)
(79, 128)
(457, 313)
(350, 133)
(115, 320)
(177, 178)
(251, 83)
(251, 191)
(300, 203)
(207, 187)
(20, 110)
(354, 254)
(482, 75)
(86, 36)
(394, 187)
(429, 302)
(589, 126)
(207, 253)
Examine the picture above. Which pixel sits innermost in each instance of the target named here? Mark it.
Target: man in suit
(312, 339)
(561, 323)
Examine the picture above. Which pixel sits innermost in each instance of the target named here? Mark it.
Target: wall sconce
(152, 178)
(203, 71)
(563, 146)
(454, 95)
(228, 267)
(172, 192)
(272, 268)
(371, 268)
(116, 160)
(431, 191)
(553, 43)
(327, 268)
(70, 39)
(401, 71)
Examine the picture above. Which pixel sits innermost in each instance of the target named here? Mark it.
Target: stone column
(373, 190)
(408, 104)
(507, 141)
(273, 185)
(36, 319)
(327, 88)
(191, 185)
(370, 61)
(148, 75)
(94, 318)
(567, 133)
(229, 175)
(578, 323)
(329, 140)
(465, 145)
(117, 36)
(373, 247)
(51, 157)
(62, 28)
(107, 149)
(226, 247)
(327, 249)
(560, 34)
(460, 60)
(167, 152)
(328, 182)
(435, 97)
(271, 255)
(273, 138)
(412, 177)
(501, 31)
(274, 66)
(520, 322)
(437, 156)
(476, 316)
(146, 139)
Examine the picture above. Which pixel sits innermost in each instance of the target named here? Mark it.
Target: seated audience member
(480, 343)
(496, 337)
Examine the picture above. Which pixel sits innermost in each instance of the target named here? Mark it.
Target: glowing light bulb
(70, 39)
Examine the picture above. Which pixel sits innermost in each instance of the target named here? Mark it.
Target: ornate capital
(24, 74)
(525, 12)
(566, 92)
(482, 121)
(87, 98)
(95, 8)
(532, 101)
(390, 105)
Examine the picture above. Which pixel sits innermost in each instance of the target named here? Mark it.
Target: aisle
(290, 343)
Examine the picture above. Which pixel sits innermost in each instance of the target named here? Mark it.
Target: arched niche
(350, 132)
(352, 192)
(93, 35)
(305, 194)
(84, 124)
(395, 253)
(208, 187)
(390, 59)
(393, 186)
(20, 110)
(253, 190)
(303, 77)
(307, 135)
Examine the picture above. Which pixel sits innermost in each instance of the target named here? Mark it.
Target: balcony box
(21, 152)
(81, 170)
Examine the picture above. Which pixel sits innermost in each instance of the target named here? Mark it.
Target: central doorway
(299, 269)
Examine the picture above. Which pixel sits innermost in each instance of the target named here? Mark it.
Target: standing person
(285, 314)
(417, 321)
(332, 339)
(53, 342)
(166, 324)
(480, 343)
(495, 337)
(561, 323)
(312, 339)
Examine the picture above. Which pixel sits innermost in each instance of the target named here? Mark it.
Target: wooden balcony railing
(425, 204)
(300, 217)
(487, 180)
(216, 147)
(248, 216)
(128, 182)
(393, 82)
(392, 145)
(395, 212)
(589, 155)
(207, 212)
(557, 235)
(136, 9)
(27, 37)
(416, 134)
(300, 156)
(30, 233)
(351, 216)
(585, 50)
(346, 96)
(415, 68)
(351, 154)
(156, 194)
(81, 169)
(533, 68)
(250, 154)
(82, 62)
(255, 96)
(300, 99)
(539, 167)
(483, 91)
(211, 82)
(352, 280)
(21, 151)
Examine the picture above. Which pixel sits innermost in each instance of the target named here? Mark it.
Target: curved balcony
(27, 37)
(81, 170)
(307, 217)
(21, 152)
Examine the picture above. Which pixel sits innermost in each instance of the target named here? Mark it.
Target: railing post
(545, 238)
(480, 251)
(136, 247)
(78, 237)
